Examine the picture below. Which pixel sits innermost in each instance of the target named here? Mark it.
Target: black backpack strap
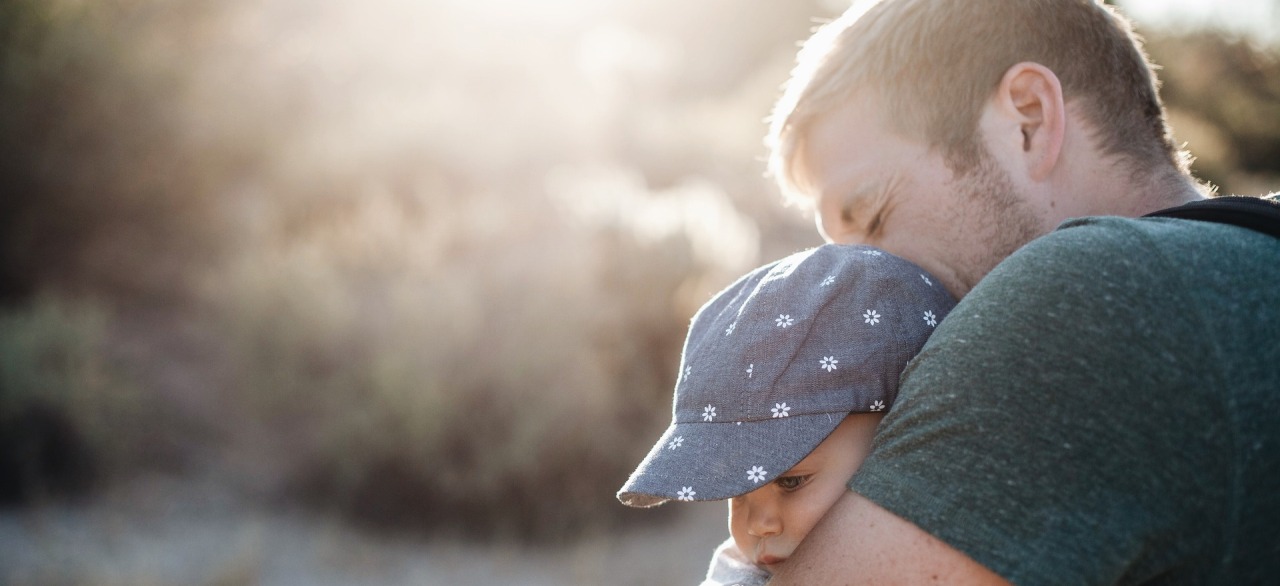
(1255, 213)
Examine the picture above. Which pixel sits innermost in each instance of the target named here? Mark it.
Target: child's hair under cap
(775, 362)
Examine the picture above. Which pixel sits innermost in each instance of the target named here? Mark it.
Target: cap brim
(707, 461)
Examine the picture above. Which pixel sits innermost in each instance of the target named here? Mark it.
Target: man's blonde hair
(935, 63)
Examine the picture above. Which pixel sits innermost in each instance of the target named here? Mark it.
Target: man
(1104, 406)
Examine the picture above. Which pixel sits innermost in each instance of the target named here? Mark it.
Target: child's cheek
(812, 504)
(738, 525)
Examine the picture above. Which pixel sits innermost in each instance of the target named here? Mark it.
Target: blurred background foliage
(423, 265)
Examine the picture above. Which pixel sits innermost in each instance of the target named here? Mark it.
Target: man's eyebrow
(853, 195)
(884, 202)
(866, 198)
(864, 190)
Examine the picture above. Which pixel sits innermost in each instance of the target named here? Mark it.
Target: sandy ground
(160, 531)
(177, 534)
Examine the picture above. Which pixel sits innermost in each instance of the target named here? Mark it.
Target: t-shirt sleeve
(1050, 428)
(729, 567)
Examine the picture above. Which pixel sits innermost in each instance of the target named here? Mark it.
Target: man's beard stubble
(1005, 217)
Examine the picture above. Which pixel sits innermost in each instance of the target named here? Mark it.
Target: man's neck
(1171, 189)
(1133, 195)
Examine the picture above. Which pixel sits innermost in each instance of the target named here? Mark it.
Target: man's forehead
(837, 147)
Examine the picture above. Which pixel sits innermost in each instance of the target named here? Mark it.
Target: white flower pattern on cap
(784, 293)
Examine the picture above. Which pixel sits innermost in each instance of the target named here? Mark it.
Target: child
(784, 377)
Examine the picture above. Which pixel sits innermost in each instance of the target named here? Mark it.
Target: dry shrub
(483, 365)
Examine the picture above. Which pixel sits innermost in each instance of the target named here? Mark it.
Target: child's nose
(764, 518)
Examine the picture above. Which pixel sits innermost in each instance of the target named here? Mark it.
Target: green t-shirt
(1103, 408)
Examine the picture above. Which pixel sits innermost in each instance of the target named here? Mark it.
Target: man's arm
(858, 542)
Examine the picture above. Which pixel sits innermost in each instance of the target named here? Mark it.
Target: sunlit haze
(394, 292)
(1258, 18)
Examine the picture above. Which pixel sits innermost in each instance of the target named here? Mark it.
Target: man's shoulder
(1103, 375)
(1103, 290)
(1104, 232)
(1137, 249)
(1083, 255)
(1115, 234)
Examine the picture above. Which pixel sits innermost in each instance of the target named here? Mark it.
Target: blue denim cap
(775, 362)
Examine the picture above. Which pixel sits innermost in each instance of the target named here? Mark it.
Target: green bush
(68, 416)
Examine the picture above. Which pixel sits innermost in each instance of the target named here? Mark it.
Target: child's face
(768, 523)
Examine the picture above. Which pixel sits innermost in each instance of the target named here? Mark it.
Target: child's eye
(790, 483)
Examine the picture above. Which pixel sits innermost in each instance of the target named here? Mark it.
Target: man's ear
(1030, 98)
